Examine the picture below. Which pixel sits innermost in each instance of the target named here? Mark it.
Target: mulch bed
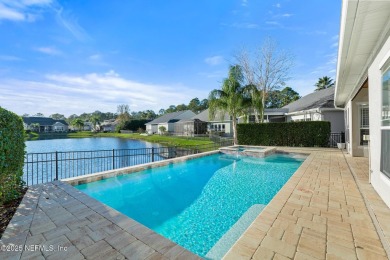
(8, 210)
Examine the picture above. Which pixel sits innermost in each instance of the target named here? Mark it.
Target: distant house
(44, 124)
(317, 106)
(108, 125)
(88, 126)
(221, 123)
(168, 121)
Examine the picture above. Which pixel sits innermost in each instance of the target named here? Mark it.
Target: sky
(73, 56)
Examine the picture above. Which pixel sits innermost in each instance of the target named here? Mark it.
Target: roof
(364, 29)
(42, 120)
(318, 99)
(204, 116)
(172, 117)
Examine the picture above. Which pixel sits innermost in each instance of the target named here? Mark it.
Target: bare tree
(267, 69)
(123, 113)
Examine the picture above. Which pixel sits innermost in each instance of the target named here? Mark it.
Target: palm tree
(78, 123)
(95, 121)
(324, 83)
(233, 98)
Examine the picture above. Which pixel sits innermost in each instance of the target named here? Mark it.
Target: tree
(324, 83)
(204, 104)
(194, 105)
(123, 113)
(95, 121)
(232, 98)
(268, 69)
(162, 129)
(171, 108)
(25, 115)
(58, 116)
(181, 107)
(36, 127)
(39, 115)
(161, 111)
(281, 98)
(78, 122)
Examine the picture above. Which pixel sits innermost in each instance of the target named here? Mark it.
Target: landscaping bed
(8, 210)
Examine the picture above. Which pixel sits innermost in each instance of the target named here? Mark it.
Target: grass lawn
(167, 140)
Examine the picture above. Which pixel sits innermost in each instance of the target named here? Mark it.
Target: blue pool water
(194, 203)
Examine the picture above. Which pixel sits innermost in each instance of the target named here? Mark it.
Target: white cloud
(21, 10)
(49, 50)
(244, 2)
(9, 58)
(70, 23)
(278, 5)
(214, 60)
(10, 14)
(245, 25)
(69, 94)
(95, 57)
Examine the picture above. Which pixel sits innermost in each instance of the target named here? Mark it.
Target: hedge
(302, 134)
(11, 155)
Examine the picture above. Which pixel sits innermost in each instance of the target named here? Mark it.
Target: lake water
(47, 160)
(85, 144)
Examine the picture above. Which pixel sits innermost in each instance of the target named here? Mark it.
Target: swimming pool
(195, 202)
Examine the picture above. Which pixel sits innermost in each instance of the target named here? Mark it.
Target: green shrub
(303, 134)
(11, 155)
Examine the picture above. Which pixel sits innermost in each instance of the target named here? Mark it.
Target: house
(168, 121)
(44, 124)
(108, 125)
(363, 86)
(272, 115)
(221, 123)
(317, 106)
(88, 126)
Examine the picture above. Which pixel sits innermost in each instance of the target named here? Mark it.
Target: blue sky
(80, 56)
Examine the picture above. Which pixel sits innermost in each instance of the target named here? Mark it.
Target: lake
(47, 160)
(85, 144)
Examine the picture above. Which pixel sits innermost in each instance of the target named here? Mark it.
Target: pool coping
(131, 169)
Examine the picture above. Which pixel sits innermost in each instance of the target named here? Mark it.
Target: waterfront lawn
(161, 139)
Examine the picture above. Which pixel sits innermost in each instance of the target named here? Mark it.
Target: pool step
(233, 234)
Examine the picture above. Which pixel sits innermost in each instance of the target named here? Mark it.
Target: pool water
(194, 203)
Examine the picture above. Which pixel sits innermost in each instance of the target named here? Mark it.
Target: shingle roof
(204, 116)
(42, 120)
(172, 117)
(318, 99)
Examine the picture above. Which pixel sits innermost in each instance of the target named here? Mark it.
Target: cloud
(9, 58)
(245, 25)
(95, 57)
(278, 5)
(75, 94)
(70, 23)
(22, 10)
(214, 60)
(49, 50)
(244, 2)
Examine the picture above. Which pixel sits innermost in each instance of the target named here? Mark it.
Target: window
(223, 127)
(364, 124)
(385, 129)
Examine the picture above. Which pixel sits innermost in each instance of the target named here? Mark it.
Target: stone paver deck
(56, 214)
(326, 210)
(319, 214)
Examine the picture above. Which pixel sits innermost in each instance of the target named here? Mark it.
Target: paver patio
(320, 213)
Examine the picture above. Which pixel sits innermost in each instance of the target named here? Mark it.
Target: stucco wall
(380, 182)
(336, 119)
